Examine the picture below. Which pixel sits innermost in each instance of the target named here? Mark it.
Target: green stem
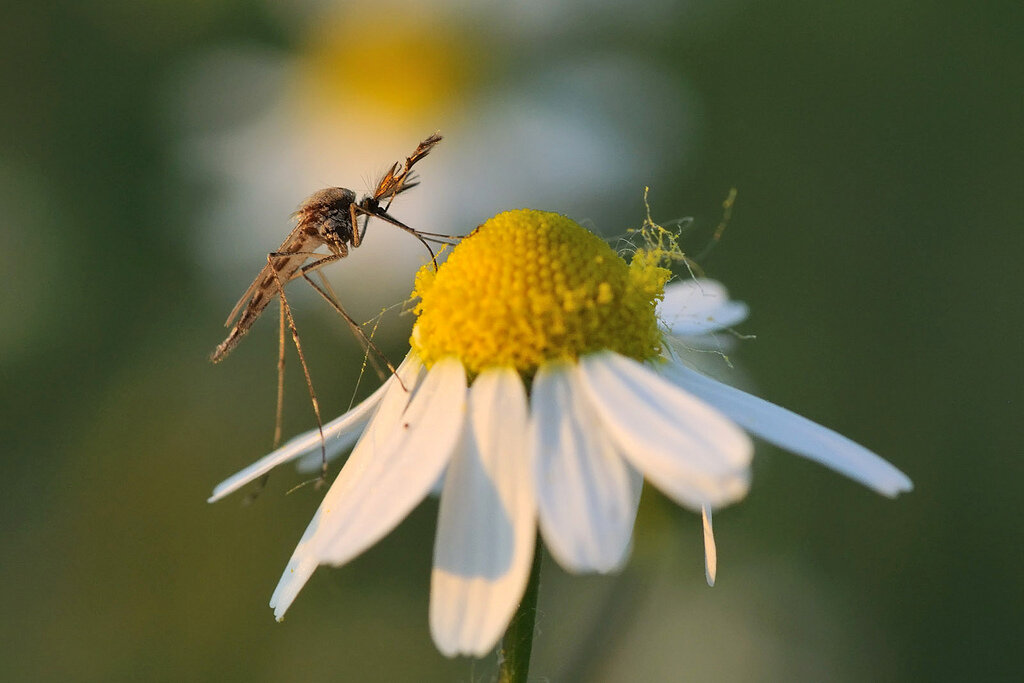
(517, 644)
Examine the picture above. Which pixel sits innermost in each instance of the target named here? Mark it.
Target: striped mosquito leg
(305, 369)
(372, 350)
(279, 413)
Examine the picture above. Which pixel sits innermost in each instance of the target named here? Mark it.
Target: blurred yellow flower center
(400, 63)
(532, 286)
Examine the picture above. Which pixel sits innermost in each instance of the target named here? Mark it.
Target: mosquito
(327, 218)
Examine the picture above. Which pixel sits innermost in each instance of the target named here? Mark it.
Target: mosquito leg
(363, 338)
(321, 260)
(357, 234)
(305, 369)
(317, 265)
(442, 236)
(279, 413)
(358, 332)
(278, 417)
(373, 352)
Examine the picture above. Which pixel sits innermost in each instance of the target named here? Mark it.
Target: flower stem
(517, 643)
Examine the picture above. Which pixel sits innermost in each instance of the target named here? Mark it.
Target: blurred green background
(152, 151)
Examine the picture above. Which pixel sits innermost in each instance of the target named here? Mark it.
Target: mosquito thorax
(326, 200)
(326, 214)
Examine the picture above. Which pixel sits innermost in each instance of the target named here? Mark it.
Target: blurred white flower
(529, 119)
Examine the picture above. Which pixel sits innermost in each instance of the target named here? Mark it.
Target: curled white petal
(409, 372)
(793, 432)
(390, 471)
(339, 434)
(710, 550)
(486, 524)
(312, 462)
(587, 495)
(684, 447)
(636, 487)
(384, 421)
(699, 306)
(438, 486)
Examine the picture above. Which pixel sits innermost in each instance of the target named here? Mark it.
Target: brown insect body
(327, 218)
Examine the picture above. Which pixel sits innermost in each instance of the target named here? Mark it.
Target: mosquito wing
(287, 260)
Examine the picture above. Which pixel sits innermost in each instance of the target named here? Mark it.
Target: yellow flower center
(528, 287)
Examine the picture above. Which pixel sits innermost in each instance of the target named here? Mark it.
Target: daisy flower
(541, 388)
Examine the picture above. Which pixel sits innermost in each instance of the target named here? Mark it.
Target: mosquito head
(370, 203)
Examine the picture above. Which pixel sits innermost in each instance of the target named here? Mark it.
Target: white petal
(486, 526)
(636, 487)
(793, 432)
(586, 494)
(339, 434)
(312, 462)
(384, 422)
(390, 471)
(695, 307)
(410, 372)
(684, 447)
(710, 550)
(438, 486)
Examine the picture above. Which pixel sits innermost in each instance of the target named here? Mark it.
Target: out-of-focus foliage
(150, 154)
